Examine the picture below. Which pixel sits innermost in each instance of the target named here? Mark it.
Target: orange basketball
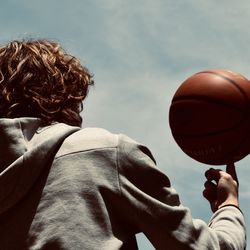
(210, 116)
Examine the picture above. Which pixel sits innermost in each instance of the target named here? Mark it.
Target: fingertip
(209, 195)
(208, 173)
(205, 193)
(213, 174)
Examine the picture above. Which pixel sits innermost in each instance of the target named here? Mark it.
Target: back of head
(39, 79)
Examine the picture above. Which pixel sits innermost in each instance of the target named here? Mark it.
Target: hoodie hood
(25, 150)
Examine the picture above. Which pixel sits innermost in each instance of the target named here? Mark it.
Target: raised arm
(150, 205)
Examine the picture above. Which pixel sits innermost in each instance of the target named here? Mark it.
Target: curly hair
(39, 79)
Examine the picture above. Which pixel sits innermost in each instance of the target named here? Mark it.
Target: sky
(139, 52)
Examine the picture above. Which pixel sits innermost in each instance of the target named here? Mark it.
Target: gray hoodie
(62, 187)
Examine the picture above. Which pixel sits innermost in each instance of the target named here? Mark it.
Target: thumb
(230, 169)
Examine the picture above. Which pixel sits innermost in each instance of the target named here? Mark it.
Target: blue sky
(139, 52)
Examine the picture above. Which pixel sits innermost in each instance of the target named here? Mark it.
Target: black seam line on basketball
(204, 99)
(228, 79)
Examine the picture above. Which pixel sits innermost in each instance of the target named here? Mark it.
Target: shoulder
(92, 138)
(88, 139)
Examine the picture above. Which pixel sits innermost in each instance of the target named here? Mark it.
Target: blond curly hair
(39, 79)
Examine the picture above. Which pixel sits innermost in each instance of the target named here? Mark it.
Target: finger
(210, 190)
(210, 185)
(230, 169)
(213, 174)
(212, 199)
(210, 195)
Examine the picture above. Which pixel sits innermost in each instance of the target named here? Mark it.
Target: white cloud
(139, 52)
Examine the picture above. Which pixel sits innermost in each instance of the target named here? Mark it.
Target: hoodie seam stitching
(82, 151)
(20, 124)
(23, 137)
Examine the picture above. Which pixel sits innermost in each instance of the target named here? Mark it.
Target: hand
(221, 188)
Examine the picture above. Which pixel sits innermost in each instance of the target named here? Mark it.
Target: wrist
(230, 205)
(228, 202)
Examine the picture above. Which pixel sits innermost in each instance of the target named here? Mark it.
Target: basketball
(209, 116)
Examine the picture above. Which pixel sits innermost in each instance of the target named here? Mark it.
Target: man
(63, 187)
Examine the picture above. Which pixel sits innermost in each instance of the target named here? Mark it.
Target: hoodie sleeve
(150, 205)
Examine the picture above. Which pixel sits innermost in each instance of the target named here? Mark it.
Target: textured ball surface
(210, 116)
